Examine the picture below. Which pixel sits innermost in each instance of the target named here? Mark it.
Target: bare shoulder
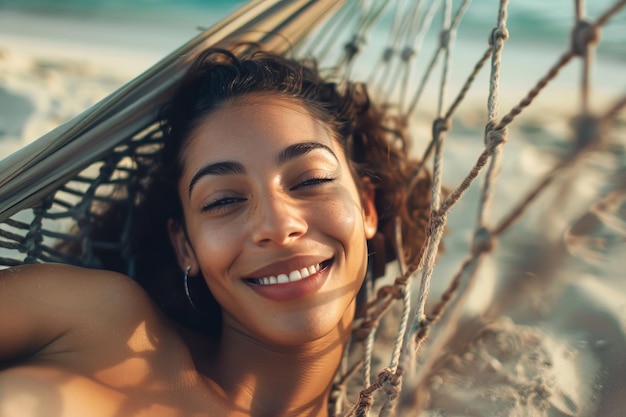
(71, 289)
(73, 337)
(59, 273)
(43, 306)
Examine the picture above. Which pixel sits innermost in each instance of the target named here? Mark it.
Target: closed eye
(313, 182)
(222, 204)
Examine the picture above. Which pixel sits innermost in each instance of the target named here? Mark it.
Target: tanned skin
(80, 342)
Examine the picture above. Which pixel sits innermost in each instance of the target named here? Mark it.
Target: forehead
(254, 126)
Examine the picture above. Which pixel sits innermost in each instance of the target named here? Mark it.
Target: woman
(269, 186)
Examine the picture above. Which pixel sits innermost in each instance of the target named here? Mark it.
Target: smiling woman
(252, 234)
(232, 114)
(285, 206)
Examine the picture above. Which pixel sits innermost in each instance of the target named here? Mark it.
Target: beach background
(544, 330)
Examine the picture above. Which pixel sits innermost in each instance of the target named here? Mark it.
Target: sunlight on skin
(127, 374)
(42, 391)
(139, 340)
(22, 404)
(80, 394)
(134, 371)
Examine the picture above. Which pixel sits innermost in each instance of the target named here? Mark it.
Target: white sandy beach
(544, 331)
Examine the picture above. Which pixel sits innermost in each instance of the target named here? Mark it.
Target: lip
(293, 290)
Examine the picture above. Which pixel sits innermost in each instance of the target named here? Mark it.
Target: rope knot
(437, 220)
(422, 330)
(587, 131)
(364, 329)
(397, 291)
(498, 33)
(392, 384)
(353, 47)
(444, 38)
(494, 137)
(407, 53)
(388, 54)
(482, 241)
(583, 35)
(401, 280)
(365, 404)
(440, 125)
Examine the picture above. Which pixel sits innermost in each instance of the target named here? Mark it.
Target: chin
(324, 324)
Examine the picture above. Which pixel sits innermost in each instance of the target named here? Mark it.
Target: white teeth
(293, 276)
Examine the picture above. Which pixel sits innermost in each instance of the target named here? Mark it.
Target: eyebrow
(299, 149)
(235, 168)
(218, 168)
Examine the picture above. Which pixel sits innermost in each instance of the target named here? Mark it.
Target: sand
(544, 330)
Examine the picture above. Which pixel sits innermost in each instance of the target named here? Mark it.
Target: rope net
(404, 337)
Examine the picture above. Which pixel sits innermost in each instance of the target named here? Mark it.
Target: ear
(370, 215)
(184, 252)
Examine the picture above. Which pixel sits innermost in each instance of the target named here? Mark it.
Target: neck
(264, 380)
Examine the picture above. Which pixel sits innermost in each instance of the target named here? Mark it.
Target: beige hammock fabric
(51, 185)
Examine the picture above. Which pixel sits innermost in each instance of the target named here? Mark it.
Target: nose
(277, 221)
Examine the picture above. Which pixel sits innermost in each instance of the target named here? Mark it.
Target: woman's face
(274, 220)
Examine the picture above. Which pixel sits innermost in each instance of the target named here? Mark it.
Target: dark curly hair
(375, 143)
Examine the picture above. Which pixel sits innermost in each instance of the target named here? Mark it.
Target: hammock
(54, 184)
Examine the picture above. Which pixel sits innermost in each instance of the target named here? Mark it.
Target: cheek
(215, 248)
(346, 226)
(342, 220)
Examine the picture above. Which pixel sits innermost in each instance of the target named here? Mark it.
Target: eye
(313, 182)
(221, 204)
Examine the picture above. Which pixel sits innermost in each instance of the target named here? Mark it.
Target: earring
(186, 284)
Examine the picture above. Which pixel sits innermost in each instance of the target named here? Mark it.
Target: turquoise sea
(538, 22)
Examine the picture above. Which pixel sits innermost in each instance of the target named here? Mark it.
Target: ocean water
(542, 23)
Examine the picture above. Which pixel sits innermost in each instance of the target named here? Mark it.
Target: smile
(292, 276)
(293, 285)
